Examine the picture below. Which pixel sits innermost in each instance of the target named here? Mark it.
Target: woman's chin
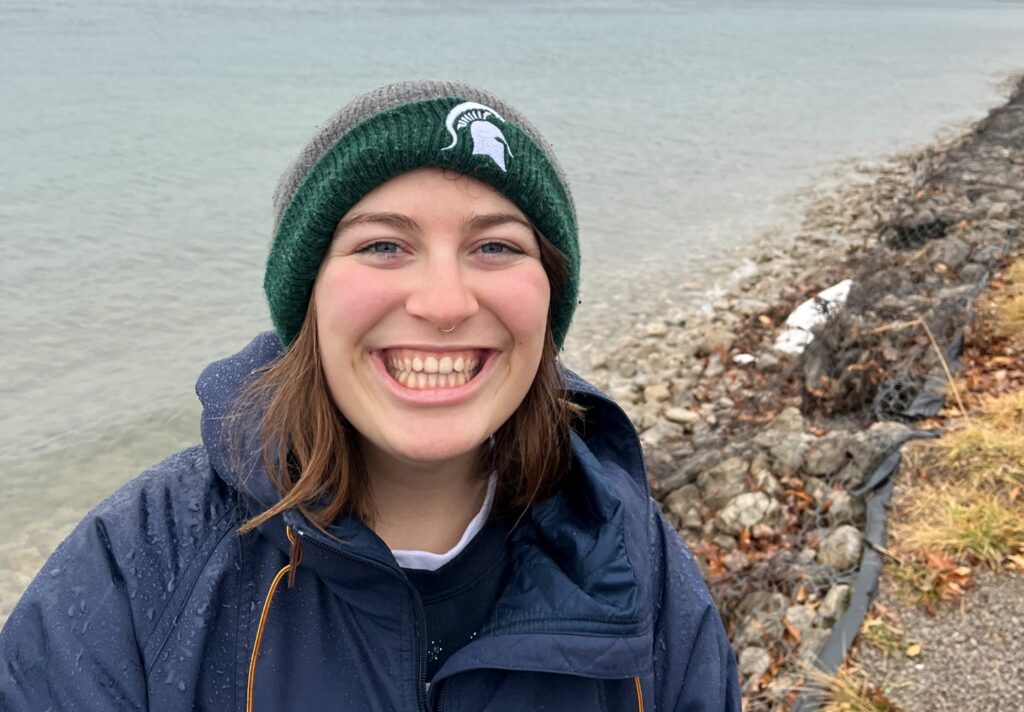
(441, 449)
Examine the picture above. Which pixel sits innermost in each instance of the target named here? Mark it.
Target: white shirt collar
(428, 561)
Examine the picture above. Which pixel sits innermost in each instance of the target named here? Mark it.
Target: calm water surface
(140, 143)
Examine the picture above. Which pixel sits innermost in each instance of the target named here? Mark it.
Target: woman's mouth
(420, 370)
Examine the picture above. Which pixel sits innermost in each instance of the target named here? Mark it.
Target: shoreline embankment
(776, 467)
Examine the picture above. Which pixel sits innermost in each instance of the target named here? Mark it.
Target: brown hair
(311, 452)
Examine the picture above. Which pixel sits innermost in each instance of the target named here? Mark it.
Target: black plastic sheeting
(878, 487)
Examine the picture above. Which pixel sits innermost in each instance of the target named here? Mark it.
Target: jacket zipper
(420, 624)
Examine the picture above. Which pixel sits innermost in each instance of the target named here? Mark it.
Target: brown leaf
(791, 629)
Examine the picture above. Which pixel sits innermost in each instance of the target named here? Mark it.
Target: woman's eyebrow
(395, 220)
(479, 223)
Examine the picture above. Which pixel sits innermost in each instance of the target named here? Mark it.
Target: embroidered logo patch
(488, 140)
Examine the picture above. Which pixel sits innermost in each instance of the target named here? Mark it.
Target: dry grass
(962, 522)
(986, 454)
(847, 691)
(969, 504)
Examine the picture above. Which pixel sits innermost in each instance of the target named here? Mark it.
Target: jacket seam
(689, 658)
(209, 551)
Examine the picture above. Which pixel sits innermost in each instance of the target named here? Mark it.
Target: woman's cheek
(354, 297)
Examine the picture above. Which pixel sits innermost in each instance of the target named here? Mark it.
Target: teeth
(432, 371)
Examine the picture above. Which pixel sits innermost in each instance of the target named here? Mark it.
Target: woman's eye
(382, 248)
(499, 248)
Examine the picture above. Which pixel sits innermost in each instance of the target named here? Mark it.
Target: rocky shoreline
(764, 460)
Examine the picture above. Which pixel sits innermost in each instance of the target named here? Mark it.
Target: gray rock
(683, 416)
(724, 542)
(681, 500)
(827, 454)
(659, 432)
(950, 251)
(723, 481)
(841, 549)
(747, 510)
(754, 661)
(767, 362)
(691, 519)
(735, 561)
(715, 339)
(789, 451)
(656, 330)
(1000, 211)
(622, 390)
(656, 393)
(806, 555)
(851, 475)
(844, 508)
(973, 273)
(989, 255)
(714, 369)
(835, 603)
(787, 423)
(803, 618)
(765, 481)
(749, 307)
(868, 446)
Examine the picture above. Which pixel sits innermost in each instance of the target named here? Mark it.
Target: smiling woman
(462, 523)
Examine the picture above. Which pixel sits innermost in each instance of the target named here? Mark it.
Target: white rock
(793, 339)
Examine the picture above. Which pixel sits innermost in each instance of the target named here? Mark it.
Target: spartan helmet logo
(488, 140)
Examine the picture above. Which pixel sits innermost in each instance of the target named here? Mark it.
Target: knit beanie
(395, 129)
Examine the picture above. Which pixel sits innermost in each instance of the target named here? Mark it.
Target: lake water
(140, 143)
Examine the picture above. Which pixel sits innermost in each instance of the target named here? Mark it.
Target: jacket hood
(579, 559)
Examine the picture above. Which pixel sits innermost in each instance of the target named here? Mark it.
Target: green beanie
(395, 129)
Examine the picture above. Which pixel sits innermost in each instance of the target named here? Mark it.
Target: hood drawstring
(290, 569)
(294, 559)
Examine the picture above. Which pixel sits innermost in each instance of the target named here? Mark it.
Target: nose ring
(446, 331)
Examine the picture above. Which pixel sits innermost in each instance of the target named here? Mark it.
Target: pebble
(683, 416)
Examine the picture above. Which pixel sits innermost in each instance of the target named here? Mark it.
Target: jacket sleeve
(86, 634)
(694, 663)
(70, 642)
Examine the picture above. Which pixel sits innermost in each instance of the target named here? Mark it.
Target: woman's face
(426, 252)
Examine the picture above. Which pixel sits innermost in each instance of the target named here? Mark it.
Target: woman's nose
(442, 294)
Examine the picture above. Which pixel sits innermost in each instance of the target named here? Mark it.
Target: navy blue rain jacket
(154, 600)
